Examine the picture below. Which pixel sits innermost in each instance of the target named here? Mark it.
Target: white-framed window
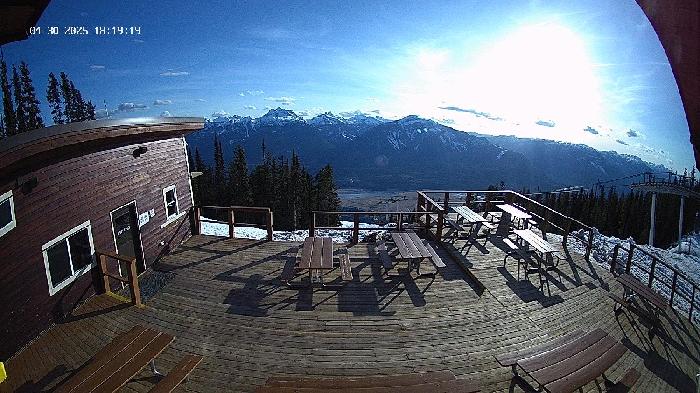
(7, 213)
(68, 256)
(170, 200)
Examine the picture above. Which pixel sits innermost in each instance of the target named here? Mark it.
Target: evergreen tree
(29, 100)
(219, 179)
(70, 112)
(190, 160)
(89, 111)
(202, 184)
(20, 114)
(239, 184)
(326, 195)
(9, 120)
(53, 97)
(78, 103)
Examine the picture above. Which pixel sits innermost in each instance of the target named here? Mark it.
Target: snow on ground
(217, 228)
(688, 264)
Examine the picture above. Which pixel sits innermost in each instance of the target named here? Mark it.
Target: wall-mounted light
(140, 150)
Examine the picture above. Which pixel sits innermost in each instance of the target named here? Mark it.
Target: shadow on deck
(226, 302)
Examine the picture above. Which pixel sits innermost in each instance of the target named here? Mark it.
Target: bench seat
(178, 374)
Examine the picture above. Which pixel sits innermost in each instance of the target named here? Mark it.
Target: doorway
(127, 236)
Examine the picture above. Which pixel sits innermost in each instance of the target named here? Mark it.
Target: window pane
(5, 213)
(80, 249)
(170, 203)
(59, 262)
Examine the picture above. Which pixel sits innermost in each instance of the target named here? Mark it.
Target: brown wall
(67, 194)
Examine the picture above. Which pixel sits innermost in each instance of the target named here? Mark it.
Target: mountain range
(370, 152)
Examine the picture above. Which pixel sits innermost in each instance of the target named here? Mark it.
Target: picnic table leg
(154, 370)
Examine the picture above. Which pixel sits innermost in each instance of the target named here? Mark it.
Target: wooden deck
(227, 303)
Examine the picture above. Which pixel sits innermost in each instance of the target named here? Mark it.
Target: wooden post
(613, 262)
(134, 284)
(399, 225)
(589, 246)
(447, 202)
(468, 199)
(653, 219)
(567, 230)
(105, 278)
(629, 259)
(312, 224)
(197, 220)
(270, 225)
(673, 287)
(680, 223)
(652, 271)
(355, 228)
(231, 230)
(440, 219)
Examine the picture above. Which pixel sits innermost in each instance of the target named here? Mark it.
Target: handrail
(131, 279)
(673, 286)
(356, 221)
(231, 218)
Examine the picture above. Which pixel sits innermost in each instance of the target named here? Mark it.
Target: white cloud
(97, 67)
(138, 41)
(242, 94)
(130, 107)
(200, 100)
(632, 133)
(254, 92)
(165, 114)
(250, 107)
(174, 73)
(591, 130)
(545, 123)
(221, 113)
(162, 102)
(284, 100)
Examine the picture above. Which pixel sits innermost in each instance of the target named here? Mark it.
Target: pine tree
(20, 114)
(89, 111)
(78, 103)
(239, 183)
(9, 119)
(326, 195)
(68, 100)
(190, 160)
(219, 173)
(53, 97)
(202, 184)
(29, 100)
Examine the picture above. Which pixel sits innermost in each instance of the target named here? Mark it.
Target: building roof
(40, 147)
(17, 16)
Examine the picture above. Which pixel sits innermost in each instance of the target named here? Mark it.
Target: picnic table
(516, 213)
(540, 245)
(572, 362)
(316, 255)
(414, 250)
(124, 357)
(632, 286)
(472, 219)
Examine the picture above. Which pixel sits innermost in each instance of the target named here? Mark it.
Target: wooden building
(67, 190)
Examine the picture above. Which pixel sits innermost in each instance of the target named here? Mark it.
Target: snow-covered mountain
(375, 153)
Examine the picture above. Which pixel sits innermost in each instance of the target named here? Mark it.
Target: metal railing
(231, 211)
(680, 284)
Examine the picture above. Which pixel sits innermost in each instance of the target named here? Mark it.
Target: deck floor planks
(226, 303)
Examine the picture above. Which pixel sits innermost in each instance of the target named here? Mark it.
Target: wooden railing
(438, 202)
(131, 279)
(679, 282)
(231, 218)
(394, 216)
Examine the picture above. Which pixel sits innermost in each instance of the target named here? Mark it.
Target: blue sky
(588, 72)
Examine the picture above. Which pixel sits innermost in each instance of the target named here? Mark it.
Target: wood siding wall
(67, 194)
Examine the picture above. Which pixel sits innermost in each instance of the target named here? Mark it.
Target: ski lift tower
(674, 184)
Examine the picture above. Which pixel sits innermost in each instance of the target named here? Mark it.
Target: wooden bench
(510, 359)
(384, 256)
(514, 251)
(437, 261)
(443, 381)
(631, 283)
(345, 269)
(179, 373)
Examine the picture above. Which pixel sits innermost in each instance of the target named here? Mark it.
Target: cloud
(621, 142)
(282, 100)
(130, 107)
(302, 113)
(220, 113)
(97, 67)
(632, 133)
(200, 100)
(162, 102)
(591, 130)
(250, 107)
(545, 123)
(174, 73)
(138, 41)
(251, 93)
(242, 94)
(165, 114)
(472, 111)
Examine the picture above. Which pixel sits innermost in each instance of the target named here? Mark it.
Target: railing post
(312, 224)
(673, 287)
(616, 249)
(103, 268)
(197, 220)
(440, 220)
(270, 228)
(628, 267)
(399, 225)
(356, 228)
(447, 202)
(589, 246)
(231, 220)
(134, 284)
(692, 305)
(567, 230)
(468, 199)
(652, 271)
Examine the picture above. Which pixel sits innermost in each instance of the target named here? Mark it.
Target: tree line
(20, 106)
(627, 214)
(284, 185)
